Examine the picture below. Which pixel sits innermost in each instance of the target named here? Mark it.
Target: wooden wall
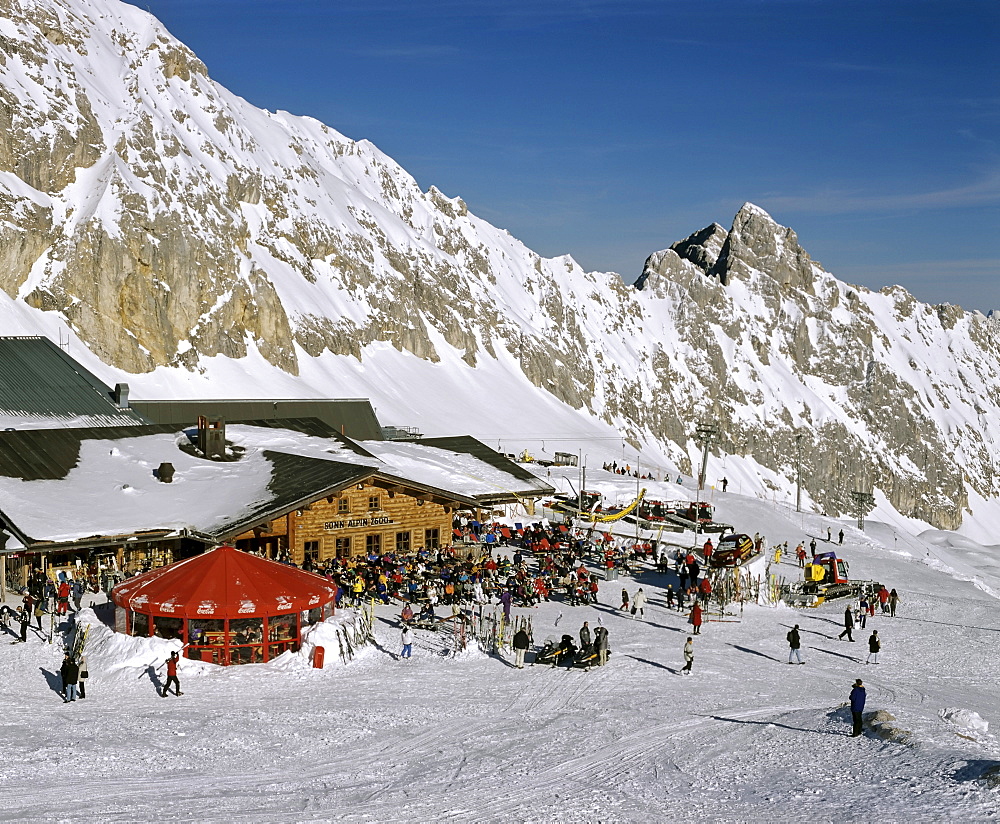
(326, 520)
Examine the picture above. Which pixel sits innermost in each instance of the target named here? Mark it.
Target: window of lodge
(403, 543)
(373, 544)
(343, 505)
(343, 547)
(311, 549)
(374, 502)
(432, 538)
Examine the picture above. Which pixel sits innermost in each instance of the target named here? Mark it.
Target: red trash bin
(318, 656)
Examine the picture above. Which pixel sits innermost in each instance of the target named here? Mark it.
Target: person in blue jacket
(857, 706)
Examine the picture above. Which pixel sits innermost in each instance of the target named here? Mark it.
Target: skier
(624, 599)
(688, 655)
(70, 672)
(407, 640)
(639, 603)
(857, 706)
(705, 590)
(725, 483)
(695, 618)
(794, 642)
(874, 645)
(840, 537)
(848, 624)
(893, 601)
(171, 663)
(521, 644)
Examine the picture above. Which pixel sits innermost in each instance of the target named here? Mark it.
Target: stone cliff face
(868, 406)
(169, 222)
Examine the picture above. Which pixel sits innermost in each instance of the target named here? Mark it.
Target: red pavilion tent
(229, 607)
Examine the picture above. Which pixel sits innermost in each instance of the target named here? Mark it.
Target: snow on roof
(112, 491)
(111, 488)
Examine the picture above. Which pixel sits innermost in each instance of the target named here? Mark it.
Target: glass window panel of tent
(140, 624)
(244, 631)
(281, 628)
(168, 627)
(206, 631)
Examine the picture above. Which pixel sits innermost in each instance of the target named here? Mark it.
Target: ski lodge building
(91, 486)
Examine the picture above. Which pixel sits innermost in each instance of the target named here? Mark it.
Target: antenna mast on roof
(64, 344)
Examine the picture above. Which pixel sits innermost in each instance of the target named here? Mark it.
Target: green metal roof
(42, 386)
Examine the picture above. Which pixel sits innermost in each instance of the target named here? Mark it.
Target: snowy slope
(746, 737)
(196, 246)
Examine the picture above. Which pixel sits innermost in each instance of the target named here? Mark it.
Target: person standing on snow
(694, 619)
(840, 537)
(688, 655)
(407, 640)
(893, 600)
(624, 599)
(639, 603)
(857, 706)
(883, 599)
(874, 646)
(585, 639)
(24, 619)
(70, 672)
(794, 642)
(601, 644)
(863, 611)
(172, 675)
(84, 675)
(848, 624)
(506, 599)
(521, 644)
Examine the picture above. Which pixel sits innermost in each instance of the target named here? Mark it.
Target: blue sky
(608, 130)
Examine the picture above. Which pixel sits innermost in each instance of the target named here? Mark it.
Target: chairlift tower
(705, 434)
(864, 502)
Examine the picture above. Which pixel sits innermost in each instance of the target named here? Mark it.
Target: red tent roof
(223, 583)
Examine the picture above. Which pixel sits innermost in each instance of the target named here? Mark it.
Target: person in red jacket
(172, 675)
(705, 589)
(695, 618)
(883, 599)
(62, 598)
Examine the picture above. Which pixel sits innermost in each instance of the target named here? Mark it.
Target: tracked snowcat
(826, 579)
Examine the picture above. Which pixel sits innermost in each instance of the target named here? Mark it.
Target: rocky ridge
(169, 223)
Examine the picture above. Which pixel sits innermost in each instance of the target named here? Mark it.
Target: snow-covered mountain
(210, 248)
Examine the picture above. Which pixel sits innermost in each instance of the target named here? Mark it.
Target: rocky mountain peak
(758, 245)
(703, 247)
